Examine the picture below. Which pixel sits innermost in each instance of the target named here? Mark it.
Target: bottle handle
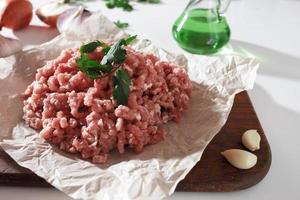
(223, 6)
(191, 2)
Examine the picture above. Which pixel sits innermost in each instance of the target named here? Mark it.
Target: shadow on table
(284, 123)
(283, 126)
(35, 35)
(274, 63)
(280, 118)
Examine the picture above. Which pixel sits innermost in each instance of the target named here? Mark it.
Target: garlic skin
(251, 140)
(240, 159)
(72, 18)
(9, 46)
(49, 13)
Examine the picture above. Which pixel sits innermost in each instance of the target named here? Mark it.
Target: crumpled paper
(153, 174)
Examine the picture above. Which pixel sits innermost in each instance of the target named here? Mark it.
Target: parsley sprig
(119, 4)
(125, 4)
(114, 56)
(121, 25)
(121, 83)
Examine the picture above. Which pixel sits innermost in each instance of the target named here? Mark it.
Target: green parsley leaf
(90, 47)
(85, 63)
(125, 4)
(119, 4)
(89, 67)
(121, 83)
(106, 68)
(121, 25)
(106, 50)
(93, 73)
(129, 40)
(116, 53)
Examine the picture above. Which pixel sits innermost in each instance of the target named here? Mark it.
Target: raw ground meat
(80, 116)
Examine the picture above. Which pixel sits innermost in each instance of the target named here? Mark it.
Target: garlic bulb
(9, 46)
(251, 140)
(49, 13)
(240, 159)
(71, 19)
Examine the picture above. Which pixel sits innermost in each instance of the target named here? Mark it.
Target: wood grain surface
(212, 174)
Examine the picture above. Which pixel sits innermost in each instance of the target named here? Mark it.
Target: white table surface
(268, 29)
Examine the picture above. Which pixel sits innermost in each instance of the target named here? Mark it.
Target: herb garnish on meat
(114, 56)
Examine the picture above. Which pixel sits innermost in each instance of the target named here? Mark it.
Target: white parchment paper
(152, 174)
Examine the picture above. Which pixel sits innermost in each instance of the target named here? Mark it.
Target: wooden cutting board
(212, 174)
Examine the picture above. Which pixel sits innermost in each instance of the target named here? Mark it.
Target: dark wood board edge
(206, 176)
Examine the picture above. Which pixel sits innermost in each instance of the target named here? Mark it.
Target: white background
(268, 29)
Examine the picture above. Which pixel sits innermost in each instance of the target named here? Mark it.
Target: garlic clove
(9, 46)
(251, 140)
(240, 159)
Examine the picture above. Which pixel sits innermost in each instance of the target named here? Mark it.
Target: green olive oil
(201, 31)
